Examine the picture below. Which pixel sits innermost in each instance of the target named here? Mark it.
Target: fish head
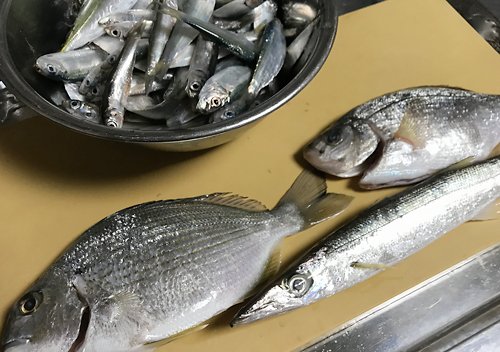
(81, 109)
(50, 67)
(294, 289)
(114, 117)
(195, 81)
(48, 317)
(211, 100)
(343, 149)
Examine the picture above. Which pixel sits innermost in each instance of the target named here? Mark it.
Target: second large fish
(381, 236)
(405, 136)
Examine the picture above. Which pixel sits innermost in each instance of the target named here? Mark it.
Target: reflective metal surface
(456, 310)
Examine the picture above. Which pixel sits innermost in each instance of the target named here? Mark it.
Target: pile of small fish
(180, 62)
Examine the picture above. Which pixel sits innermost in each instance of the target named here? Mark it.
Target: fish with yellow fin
(156, 271)
(406, 136)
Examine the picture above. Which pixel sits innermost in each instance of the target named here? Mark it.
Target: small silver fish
(271, 57)
(162, 29)
(109, 44)
(122, 29)
(98, 74)
(222, 87)
(150, 273)
(296, 48)
(405, 136)
(297, 14)
(118, 89)
(182, 34)
(381, 236)
(201, 66)
(86, 27)
(134, 15)
(82, 110)
(70, 66)
(235, 43)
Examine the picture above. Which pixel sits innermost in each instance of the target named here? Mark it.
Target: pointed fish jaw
(275, 301)
(314, 155)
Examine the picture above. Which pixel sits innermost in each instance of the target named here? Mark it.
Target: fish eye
(334, 137)
(112, 59)
(215, 102)
(299, 284)
(95, 91)
(115, 32)
(30, 302)
(89, 114)
(51, 69)
(75, 104)
(228, 114)
(195, 86)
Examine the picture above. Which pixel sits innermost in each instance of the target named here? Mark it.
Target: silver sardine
(155, 271)
(271, 57)
(201, 66)
(182, 34)
(405, 136)
(86, 27)
(118, 88)
(222, 87)
(381, 236)
(70, 66)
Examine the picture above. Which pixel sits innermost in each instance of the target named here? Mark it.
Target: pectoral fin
(412, 129)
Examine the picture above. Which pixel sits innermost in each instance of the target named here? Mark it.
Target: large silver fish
(148, 273)
(381, 236)
(407, 135)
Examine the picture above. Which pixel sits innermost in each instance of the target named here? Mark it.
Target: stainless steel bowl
(31, 28)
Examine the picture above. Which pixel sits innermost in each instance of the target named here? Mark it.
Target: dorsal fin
(234, 201)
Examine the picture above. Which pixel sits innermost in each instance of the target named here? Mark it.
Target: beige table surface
(55, 183)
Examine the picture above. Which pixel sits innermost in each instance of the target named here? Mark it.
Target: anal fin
(490, 212)
(162, 342)
(361, 265)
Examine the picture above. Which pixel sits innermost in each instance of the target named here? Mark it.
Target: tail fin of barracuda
(308, 193)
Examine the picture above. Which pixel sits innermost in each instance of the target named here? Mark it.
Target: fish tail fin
(308, 194)
(157, 73)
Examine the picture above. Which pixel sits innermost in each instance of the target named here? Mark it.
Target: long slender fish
(407, 135)
(86, 27)
(151, 272)
(381, 236)
(118, 88)
(162, 29)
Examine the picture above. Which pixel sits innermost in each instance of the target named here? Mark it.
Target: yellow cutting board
(55, 183)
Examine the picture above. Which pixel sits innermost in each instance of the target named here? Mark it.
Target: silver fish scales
(381, 236)
(148, 273)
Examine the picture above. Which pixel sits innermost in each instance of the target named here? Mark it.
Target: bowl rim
(16, 84)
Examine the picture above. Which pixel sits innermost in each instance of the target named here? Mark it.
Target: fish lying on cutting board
(155, 271)
(381, 236)
(408, 135)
